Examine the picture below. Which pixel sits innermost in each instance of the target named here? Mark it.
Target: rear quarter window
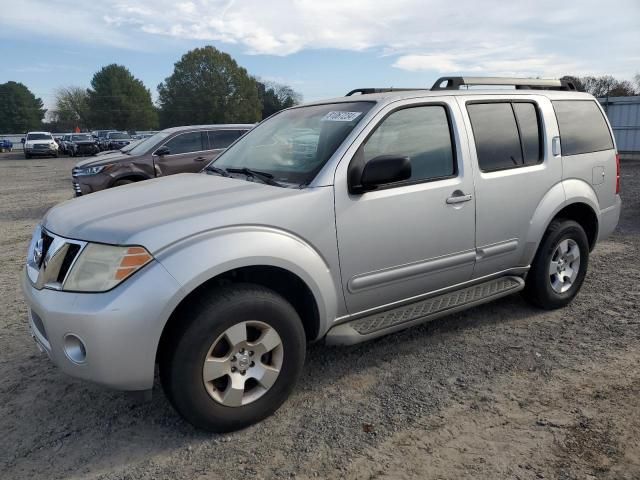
(583, 128)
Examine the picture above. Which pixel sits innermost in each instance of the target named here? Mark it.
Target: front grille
(50, 259)
(40, 146)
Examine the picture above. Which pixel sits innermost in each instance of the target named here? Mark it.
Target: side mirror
(383, 170)
(22, 140)
(164, 150)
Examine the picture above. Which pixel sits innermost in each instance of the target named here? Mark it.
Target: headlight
(91, 170)
(101, 267)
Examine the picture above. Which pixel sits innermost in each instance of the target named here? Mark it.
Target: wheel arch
(260, 255)
(571, 199)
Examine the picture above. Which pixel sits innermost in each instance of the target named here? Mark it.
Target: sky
(322, 48)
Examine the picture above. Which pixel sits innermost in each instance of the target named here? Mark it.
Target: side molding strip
(381, 277)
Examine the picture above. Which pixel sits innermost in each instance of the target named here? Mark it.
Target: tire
(548, 285)
(119, 183)
(27, 156)
(204, 328)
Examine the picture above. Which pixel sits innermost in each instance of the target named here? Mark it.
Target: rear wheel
(234, 359)
(560, 266)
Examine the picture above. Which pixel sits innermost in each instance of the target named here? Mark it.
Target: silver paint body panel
(358, 254)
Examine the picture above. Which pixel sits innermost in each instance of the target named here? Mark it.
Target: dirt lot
(500, 391)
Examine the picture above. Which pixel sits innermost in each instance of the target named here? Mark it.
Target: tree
(276, 97)
(208, 86)
(117, 99)
(604, 86)
(20, 110)
(72, 108)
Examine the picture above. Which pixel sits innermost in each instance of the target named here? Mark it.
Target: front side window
(294, 144)
(420, 133)
(507, 134)
(185, 143)
(583, 128)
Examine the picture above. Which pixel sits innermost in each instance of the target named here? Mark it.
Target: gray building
(624, 115)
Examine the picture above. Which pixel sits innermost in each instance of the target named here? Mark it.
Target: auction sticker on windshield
(341, 116)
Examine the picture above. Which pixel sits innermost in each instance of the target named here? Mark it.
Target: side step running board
(388, 321)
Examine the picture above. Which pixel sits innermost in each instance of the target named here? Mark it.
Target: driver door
(412, 237)
(188, 152)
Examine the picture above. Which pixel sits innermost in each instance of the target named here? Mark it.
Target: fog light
(74, 349)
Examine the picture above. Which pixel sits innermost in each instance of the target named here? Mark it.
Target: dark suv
(174, 150)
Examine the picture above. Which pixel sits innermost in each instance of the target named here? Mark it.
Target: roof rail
(454, 83)
(364, 91)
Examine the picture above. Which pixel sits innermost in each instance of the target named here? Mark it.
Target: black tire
(27, 156)
(119, 183)
(182, 359)
(538, 290)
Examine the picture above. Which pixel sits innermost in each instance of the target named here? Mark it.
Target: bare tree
(72, 109)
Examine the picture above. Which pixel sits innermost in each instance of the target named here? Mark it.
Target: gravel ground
(499, 391)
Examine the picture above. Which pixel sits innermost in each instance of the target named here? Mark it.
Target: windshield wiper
(216, 170)
(264, 176)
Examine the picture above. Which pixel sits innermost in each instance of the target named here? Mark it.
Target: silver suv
(340, 220)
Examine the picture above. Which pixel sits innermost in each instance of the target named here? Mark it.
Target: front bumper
(120, 329)
(84, 185)
(41, 151)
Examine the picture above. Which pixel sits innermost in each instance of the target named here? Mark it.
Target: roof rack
(454, 83)
(364, 91)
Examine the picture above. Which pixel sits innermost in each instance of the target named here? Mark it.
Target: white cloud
(545, 37)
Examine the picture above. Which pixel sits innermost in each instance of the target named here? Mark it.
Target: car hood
(102, 159)
(84, 142)
(158, 212)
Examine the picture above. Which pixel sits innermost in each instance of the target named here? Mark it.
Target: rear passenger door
(514, 168)
(188, 152)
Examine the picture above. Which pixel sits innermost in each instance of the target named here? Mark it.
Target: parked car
(117, 140)
(6, 145)
(174, 150)
(65, 140)
(416, 204)
(39, 144)
(81, 144)
(101, 138)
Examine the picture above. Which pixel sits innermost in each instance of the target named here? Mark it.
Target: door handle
(200, 159)
(458, 197)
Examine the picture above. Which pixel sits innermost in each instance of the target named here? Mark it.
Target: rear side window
(185, 143)
(420, 133)
(583, 128)
(507, 134)
(223, 138)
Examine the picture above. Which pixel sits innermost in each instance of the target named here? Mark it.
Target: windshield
(295, 144)
(145, 145)
(119, 136)
(39, 136)
(82, 138)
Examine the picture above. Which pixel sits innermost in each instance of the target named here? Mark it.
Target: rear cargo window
(583, 128)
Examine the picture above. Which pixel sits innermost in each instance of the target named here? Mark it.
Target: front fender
(195, 260)
(558, 197)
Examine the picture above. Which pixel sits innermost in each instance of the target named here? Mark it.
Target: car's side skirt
(404, 316)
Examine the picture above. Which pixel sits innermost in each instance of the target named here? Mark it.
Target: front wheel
(560, 266)
(234, 359)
